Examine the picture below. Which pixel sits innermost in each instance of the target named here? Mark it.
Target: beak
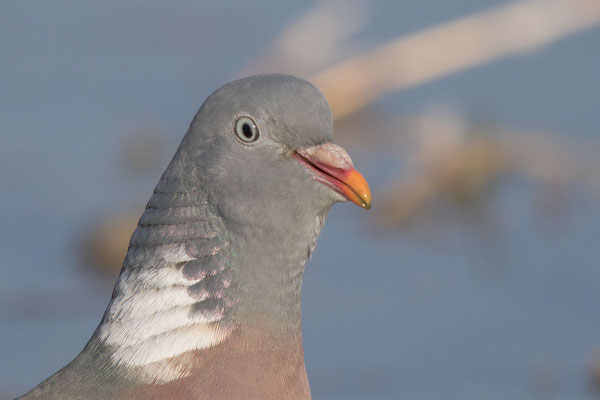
(332, 166)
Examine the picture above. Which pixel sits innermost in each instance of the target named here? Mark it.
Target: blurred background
(476, 274)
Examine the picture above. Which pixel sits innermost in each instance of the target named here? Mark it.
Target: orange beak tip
(361, 193)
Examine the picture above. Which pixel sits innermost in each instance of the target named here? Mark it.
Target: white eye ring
(246, 130)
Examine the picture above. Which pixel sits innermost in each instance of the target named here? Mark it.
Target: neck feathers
(195, 284)
(173, 294)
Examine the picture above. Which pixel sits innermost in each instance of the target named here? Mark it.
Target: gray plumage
(207, 305)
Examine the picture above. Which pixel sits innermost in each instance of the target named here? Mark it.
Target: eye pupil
(247, 131)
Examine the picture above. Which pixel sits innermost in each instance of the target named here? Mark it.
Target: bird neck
(194, 281)
(269, 262)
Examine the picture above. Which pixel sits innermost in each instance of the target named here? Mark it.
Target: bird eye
(246, 130)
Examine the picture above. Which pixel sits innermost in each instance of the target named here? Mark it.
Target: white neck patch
(156, 316)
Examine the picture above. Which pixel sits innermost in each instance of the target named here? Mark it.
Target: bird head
(263, 147)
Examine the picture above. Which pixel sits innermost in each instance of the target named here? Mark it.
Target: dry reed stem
(452, 47)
